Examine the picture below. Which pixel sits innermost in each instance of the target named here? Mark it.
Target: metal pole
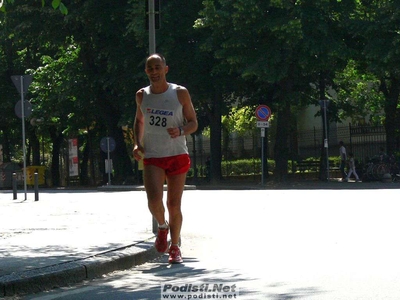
(36, 179)
(14, 184)
(152, 28)
(23, 132)
(152, 50)
(262, 155)
(108, 161)
(326, 141)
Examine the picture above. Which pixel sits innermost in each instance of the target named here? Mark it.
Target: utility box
(6, 175)
(30, 175)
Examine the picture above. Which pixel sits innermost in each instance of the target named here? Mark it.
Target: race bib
(158, 120)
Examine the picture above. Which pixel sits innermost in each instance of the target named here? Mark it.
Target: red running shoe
(161, 242)
(175, 256)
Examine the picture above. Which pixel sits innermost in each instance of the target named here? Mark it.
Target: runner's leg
(176, 184)
(154, 178)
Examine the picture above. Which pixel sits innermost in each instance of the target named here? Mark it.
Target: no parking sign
(263, 113)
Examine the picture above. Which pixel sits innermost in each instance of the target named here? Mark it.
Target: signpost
(263, 113)
(152, 27)
(107, 144)
(22, 83)
(324, 106)
(152, 50)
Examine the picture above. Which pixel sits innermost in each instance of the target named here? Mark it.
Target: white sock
(163, 226)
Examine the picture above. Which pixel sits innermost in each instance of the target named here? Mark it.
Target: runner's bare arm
(138, 127)
(188, 111)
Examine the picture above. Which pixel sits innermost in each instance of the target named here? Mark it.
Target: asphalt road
(270, 244)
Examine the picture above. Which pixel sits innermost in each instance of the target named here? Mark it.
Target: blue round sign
(263, 113)
(107, 144)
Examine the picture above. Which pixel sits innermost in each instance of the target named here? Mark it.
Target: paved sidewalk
(69, 236)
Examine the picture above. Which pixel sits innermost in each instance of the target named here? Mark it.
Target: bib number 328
(158, 121)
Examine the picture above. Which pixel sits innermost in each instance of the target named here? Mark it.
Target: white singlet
(162, 111)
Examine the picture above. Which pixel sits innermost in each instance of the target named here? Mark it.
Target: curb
(54, 276)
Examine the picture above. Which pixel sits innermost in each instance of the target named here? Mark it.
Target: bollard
(14, 185)
(36, 177)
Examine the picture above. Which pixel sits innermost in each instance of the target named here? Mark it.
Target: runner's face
(156, 69)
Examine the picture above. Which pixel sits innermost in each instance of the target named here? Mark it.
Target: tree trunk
(391, 92)
(84, 166)
(122, 163)
(6, 145)
(35, 146)
(121, 160)
(281, 143)
(215, 139)
(57, 139)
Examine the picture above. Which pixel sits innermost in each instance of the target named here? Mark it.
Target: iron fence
(364, 141)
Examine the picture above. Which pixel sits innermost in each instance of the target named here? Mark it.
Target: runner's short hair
(160, 56)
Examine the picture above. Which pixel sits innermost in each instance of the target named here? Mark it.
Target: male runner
(164, 115)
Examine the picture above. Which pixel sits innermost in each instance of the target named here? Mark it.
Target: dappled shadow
(146, 291)
(294, 293)
(146, 283)
(163, 269)
(33, 258)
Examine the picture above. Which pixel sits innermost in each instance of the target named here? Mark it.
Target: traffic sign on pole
(263, 113)
(262, 124)
(107, 144)
(27, 109)
(22, 83)
(26, 82)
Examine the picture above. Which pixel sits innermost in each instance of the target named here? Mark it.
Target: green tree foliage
(191, 66)
(58, 103)
(96, 79)
(282, 46)
(110, 61)
(359, 97)
(22, 48)
(375, 26)
(56, 4)
(88, 62)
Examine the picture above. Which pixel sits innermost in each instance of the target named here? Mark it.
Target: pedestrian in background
(164, 116)
(343, 159)
(352, 168)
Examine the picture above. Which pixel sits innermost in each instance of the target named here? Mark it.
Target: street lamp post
(152, 50)
(22, 83)
(324, 106)
(152, 28)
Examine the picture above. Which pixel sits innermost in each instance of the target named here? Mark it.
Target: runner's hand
(138, 152)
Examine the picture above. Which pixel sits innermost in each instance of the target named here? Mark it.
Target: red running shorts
(172, 165)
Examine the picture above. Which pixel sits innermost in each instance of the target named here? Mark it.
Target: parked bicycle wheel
(381, 170)
(370, 172)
